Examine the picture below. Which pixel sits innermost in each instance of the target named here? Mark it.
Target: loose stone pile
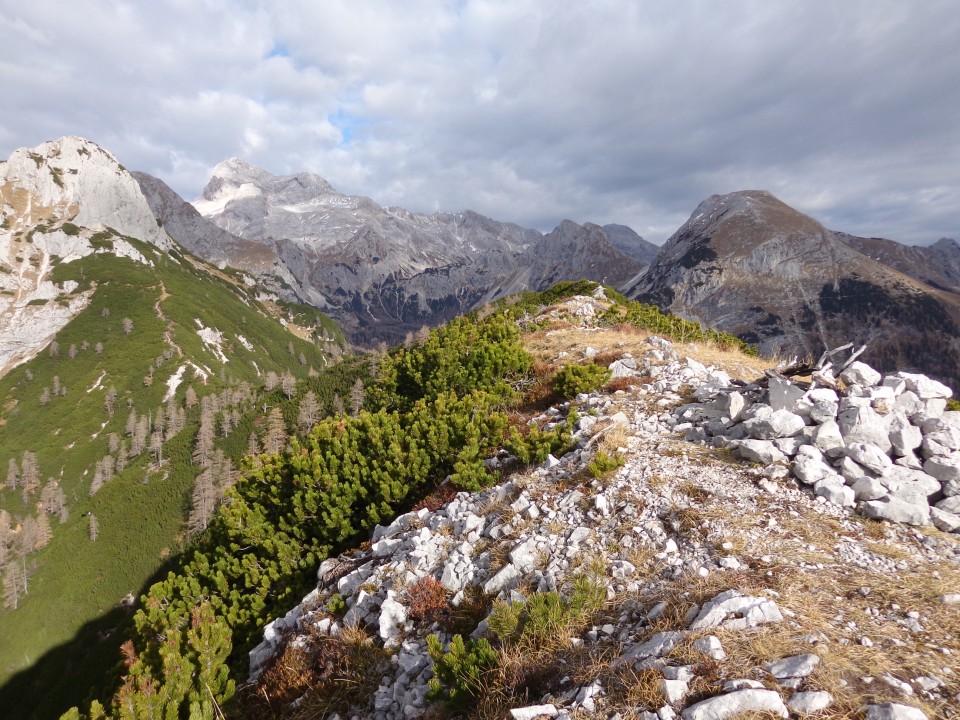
(537, 532)
(883, 444)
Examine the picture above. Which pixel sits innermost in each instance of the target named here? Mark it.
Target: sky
(530, 111)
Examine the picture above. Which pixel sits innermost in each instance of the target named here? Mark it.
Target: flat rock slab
(893, 711)
(737, 703)
(733, 610)
(809, 703)
(534, 711)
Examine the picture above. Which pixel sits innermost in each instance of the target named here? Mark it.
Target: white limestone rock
(531, 712)
(758, 451)
(896, 510)
(864, 425)
(859, 373)
(947, 471)
(779, 424)
(893, 711)
(869, 456)
(810, 702)
(827, 438)
(739, 702)
(733, 610)
(924, 387)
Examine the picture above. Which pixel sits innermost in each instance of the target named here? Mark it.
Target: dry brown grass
(325, 676)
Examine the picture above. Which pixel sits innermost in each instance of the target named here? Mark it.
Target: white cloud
(525, 110)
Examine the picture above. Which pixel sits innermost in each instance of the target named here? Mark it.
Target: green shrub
(575, 379)
(70, 229)
(459, 673)
(603, 463)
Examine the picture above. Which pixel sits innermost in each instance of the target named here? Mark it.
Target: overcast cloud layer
(524, 110)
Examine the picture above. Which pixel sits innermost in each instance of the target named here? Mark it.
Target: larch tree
(357, 395)
(309, 411)
(288, 384)
(126, 325)
(276, 435)
(13, 474)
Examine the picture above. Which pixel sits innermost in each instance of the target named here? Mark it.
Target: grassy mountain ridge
(141, 328)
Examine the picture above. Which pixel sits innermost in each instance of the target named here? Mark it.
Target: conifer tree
(93, 527)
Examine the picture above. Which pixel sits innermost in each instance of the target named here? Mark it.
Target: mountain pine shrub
(575, 379)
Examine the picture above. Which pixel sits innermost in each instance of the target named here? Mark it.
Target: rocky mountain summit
(644, 574)
(57, 202)
(382, 272)
(748, 264)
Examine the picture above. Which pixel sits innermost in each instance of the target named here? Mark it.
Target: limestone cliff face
(53, 199)
(382, 272)
(748, 264)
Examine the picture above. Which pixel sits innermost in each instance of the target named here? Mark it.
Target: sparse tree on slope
(276, 435)
(13, 474)
(309, 411)
(357, 394)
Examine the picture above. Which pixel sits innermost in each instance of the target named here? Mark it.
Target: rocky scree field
(652, 571)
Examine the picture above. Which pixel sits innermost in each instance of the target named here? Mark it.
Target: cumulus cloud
(525, 110)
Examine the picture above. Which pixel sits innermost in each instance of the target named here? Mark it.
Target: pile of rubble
(884, 444)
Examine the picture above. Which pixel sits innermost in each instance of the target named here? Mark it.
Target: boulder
(737, 703)
(858, 373)
(868, 488)
(795, 666)
(779, 424)
(809, 703)
(822, 411)
(904, 436)
(896, 510)
(942, 440)
(869, 456)
(950, 504)
(809, 467)
(734, 610)
(834, 491)
(909, 404)
(863, 424)
(827, 438)
(947, 471)
(759, 451)
(914, 486)
(784, 395)
(945, 521)
(852, 471)
(924, 387)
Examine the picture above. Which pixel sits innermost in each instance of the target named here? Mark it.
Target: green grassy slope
(140, 511)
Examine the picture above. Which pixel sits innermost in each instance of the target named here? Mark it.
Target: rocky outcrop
(383, 272)
(59, 202)
(748, 264)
